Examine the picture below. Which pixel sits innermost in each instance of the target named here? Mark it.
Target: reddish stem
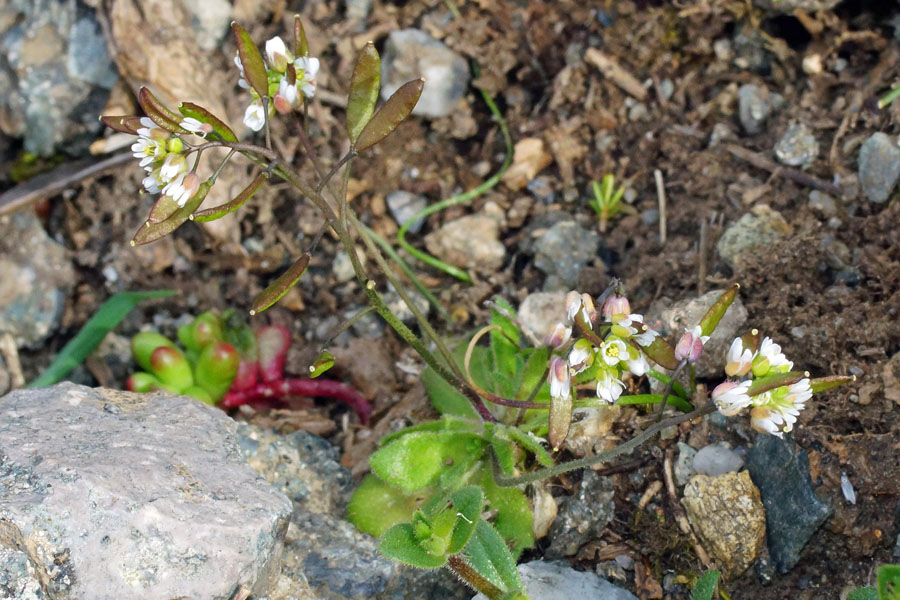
(326, 388)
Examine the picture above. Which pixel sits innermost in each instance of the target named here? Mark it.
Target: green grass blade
(92, 333)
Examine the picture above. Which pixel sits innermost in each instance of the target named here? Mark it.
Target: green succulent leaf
(705, 586)
(391, 114)
(488, 555)
(217, 212)
(278, 288)
(377, 506)
(195, 111)
(216, 368)
(417, 460)
(364, 87)
(171, 367)
(400, 543)
(195, 391)
(252, 61)
(145, 343)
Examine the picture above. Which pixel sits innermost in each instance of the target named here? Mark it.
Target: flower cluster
(605, 353)
(774, 411)
(290, 79)
(162, 156)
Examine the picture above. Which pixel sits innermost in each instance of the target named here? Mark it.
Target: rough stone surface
(780, 469)
(789, 6)
(563, 251)
(209, 19)
(754, 106)
(797, 146)
(540, 311)
(558, 581)
(404, 206)
(822, 204)
(18, 577)
(116, 495)
(582, 516)
(35, 275)
(684, 464)
(412, 53)
(686, 314)
(399, 307)
(716, 459)
(727, 514)
(470, 242)
(760, 226)
(56, 76)
(879, 166)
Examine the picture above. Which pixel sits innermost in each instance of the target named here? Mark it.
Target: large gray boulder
(112, 495)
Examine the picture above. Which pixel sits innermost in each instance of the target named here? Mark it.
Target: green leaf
(820, 384)
(445, 423)
(171, 367)
(159, 113)
(150, 232)
(677, 388)
(705, 586)
(889, 582)
(468, 503)
(195, 111)
(107, 317)
(533, 373)
(514, 519)
(530, 443)
(673, 400)
(710, 320)
(377, 506)
(868, 593)
(216, 368)
(217, 212)
(364, 87)
(400, 543)
(252, 61)
(144, 344)
(419, 459)
(505, 451)
(278, 288)
(488, 555)
(391, 114)
(445, 398)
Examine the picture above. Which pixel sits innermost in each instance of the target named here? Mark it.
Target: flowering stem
(608, 455)
(668, 390)
(240, 147)
(265, 104)
(334, 170)
(212, 180)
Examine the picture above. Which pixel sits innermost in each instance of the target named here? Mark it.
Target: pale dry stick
(678, 511)
(11, 356)
(649, 494)
(661, 196)
(614, 71)
(701, 251)
(761, 162)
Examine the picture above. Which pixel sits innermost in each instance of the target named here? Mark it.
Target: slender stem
(588, 461)
(215, 175)
(346, 325)
(668, 390)
(240, 147)
(334, 170)
(472, 578)
(265, 103)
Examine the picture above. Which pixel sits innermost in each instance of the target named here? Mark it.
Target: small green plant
(888, 586)
(705, 586)
(607, 201)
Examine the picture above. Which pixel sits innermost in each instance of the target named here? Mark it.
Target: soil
(530, 55)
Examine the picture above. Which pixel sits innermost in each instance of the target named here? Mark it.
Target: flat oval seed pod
(217, 212)
(159, 113)
(195, 111)
(770, 382)
(715, 313)
(301, 46)
(280, 286)
(560, 418)
(150, 232)
(821, 384)
(394, 111)
(123, 124)
(323, 362)
(364, 87)
(251, 59)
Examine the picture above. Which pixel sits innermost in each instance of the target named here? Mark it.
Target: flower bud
(690, 346)
(573, 305)
(558, 378)
(581, 356)
(558, 336)
(587, 306)
(616, 305)
(175, 144)
(731, 397)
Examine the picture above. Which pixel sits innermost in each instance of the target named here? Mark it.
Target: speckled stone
(759, 227)
(558, 581)
(563, 251)
(542, 310)
(119, 496)
(797, 146)
(879, 166)
(470, 242)
(582, 516)
(728, 516)
(754, 106)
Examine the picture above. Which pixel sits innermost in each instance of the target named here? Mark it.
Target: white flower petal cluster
(160, 154)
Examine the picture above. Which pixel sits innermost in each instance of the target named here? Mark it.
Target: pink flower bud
(689, 347)
(558, 336)
(616, 305)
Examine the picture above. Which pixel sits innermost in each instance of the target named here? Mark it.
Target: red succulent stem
(326, 388)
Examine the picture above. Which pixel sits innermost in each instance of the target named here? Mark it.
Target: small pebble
(666, 89)
(822, 204)
(797, 147)
(716, 459)
(404, 206)
(879, 166)
(754, 106)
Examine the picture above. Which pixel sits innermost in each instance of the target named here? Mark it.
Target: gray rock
(720, 133)
(582, 516)
(35, 276)
(564, 250)
(339, 563)
(780, 469)
(412, 53)
(789, 6)
(56, 76)
(716, 459)
(751, 50)
(797, 146)
(404, 206)
(18, 577)
(540, 311)
(342, 268)
(822, 204)
(470, 242)
(399, 307)
(370, 326)
(357, 12)
(558, 581)
(879, 166)
(303, 466)
(209, 20)
(116, 495)
(761, 226)
(754, 106)
(684, 464)
(686, 314)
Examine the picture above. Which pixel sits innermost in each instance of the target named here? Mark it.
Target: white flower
(765, 420)
(609, 388)
(581, 356)
(613, 351)
(777, 410)
(738, 360)
(172, 166)
(286, 98)
(151, 184)
(637, 362)
(559, 378)
(151, 142)
(277, 54)
(580, 304)
(770, 358)
(182, 188)
(196, 127)
(254, 116)
(242, 82)
(731, 397)
(646, 337)
(307, 68)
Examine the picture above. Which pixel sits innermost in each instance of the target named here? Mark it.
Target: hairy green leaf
(514, 519)
(107, 317)
(488, 555)
(377, 506)
(868, 593)
(889, 582)
(400, 543)
(705, 586)
(467, 504)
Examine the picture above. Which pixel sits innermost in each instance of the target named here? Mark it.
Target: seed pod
(364, 87)
(251, 60)
(394, 111)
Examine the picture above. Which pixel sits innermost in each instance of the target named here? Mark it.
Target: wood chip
(614, 71)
